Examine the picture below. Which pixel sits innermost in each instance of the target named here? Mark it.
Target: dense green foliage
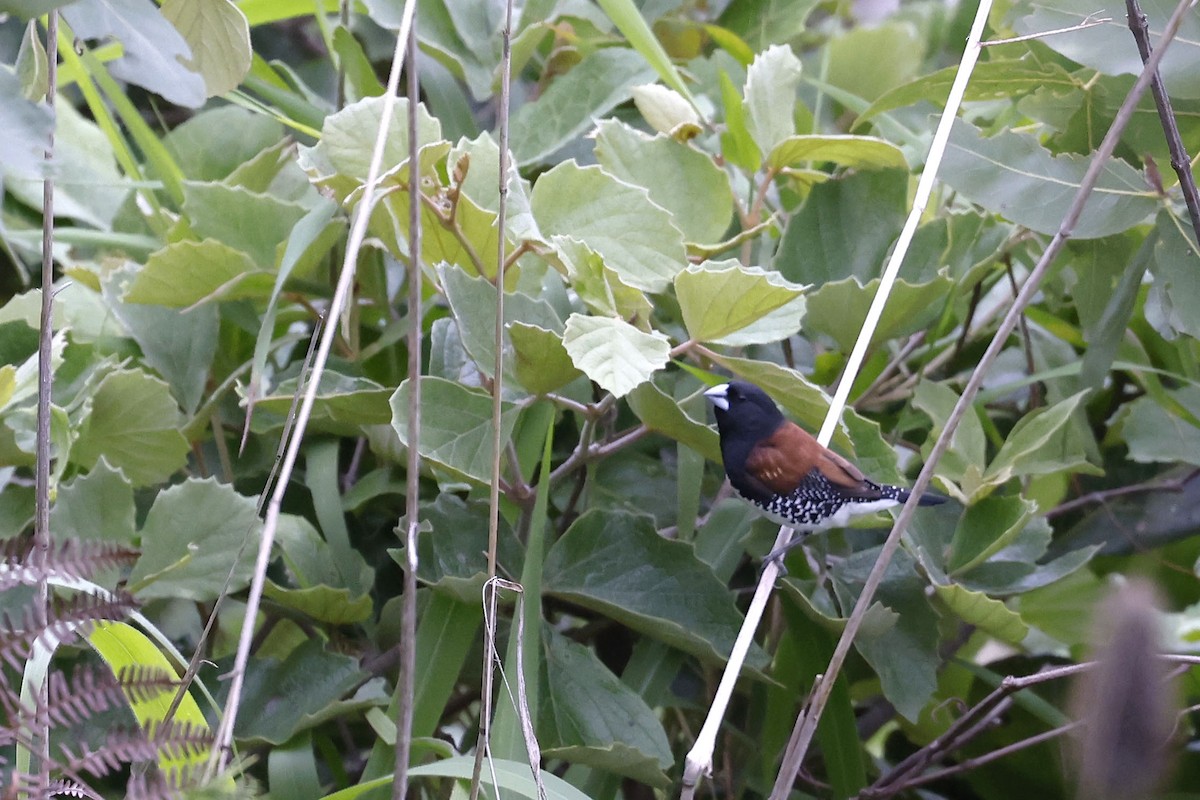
(699, 190)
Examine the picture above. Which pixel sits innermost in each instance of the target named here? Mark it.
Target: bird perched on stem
(785, 471)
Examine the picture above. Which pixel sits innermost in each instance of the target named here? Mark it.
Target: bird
(781, 468)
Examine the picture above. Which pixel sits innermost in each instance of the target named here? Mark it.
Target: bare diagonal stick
(807, 722)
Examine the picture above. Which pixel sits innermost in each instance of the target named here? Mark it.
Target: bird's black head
(744, 412)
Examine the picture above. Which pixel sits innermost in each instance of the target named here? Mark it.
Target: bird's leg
(778, 553)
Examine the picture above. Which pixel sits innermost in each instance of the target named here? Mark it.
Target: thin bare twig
(223, 738)
(806, 724)
(1104, 495)
(485, 722)
(1180, 161)
(405, 698)
(41, 526)
(1090, 22)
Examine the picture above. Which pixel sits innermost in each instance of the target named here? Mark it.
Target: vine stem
(806, 723)
(223, 739)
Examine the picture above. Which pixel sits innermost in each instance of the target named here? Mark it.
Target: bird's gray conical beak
(717, 396)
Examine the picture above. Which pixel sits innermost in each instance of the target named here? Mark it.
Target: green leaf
(770, 94)
(219, 36)
(856, 152)
(666, 111)
(985, 528)
(98, 505)
(345, 404)
(963, 461)
(990, 80)
(614, 563)
(153, 51)
(453, 548)
(482, 165)
(661, 165)
(1105, 47)
(197, 534)
(983, 612)
(737, 145)
(348, 136)
(635, 237)
(456, 426)
(542, 363)
(590, 717)
(1041, 443)
(896, 51)
(598, 285)
(628, 18)
(613, 353)
(718, 300)
(134, 423)
(27, 126)
(904, 654)
(218, 141)
(839, 308)
(1176, 287)
(282, 698)
(473, 303)
(1155, 434)
(333, 606)
(256, 224)
(765, 22)
(663, 414)
(361, 79)
(123, 648)
(511, 776)
(572, 103)
(1014, 176)
(186, 273)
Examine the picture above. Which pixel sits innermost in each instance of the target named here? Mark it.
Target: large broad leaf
(1042, 442)
(284, 697)
(254, 223)
(154, 52)
(902, 646)
(765, 22)
(456, 426)
(473, 303)
(199, 541)
(348, 136)
(615, 563)
(98, 505)
(27, 127)
(482, 165)
(588, 716)
(985, 528)
(344, 404)
(839, 308)
(572, 103)
(613, 353)
(219, 36)
(663, 414)
(770, 94)
(185, 273)
(1158, 434)
(636, 237)
(983, 612)
(679, 178)
(541, 362)
(896, 51)
(963, 461)
(598, 285)
(1107, 47)
(134, 423)
(453, 548)
(718, 300)
(1174, 303)
(1014, 176)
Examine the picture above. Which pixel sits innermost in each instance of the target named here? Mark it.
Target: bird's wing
(783, 459)
(846, 476)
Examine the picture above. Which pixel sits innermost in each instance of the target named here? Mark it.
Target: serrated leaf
(770, 93)
(861, 152)
(256, 224)
(542, 363)
(98, 505)
(613, 353)
(983, 612)
(718, 300)
(328, 604)
(456, 425)
(615, 563)
(348, 136)
(635, 237)
(134, 423)
(590, 717)
(661, 165)
(197, 534)
(219, 36)
(598, 286)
